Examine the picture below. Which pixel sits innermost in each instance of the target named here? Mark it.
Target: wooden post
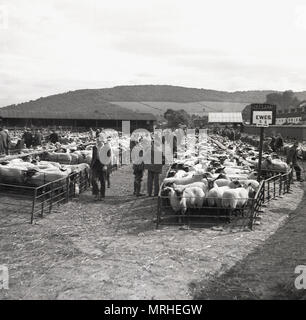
(33, 205)
(260, 151)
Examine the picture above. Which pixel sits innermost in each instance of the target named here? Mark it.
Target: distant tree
(274, 98)
(175, 118)
(283, 100)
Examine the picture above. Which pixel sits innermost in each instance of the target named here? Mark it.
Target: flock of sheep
(225, 178)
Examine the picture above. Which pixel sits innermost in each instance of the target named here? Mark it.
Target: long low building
(294, 118)
(76, 120)
(73, 110)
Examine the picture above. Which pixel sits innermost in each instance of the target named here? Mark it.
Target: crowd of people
(273, 144)
(232, 133)
(17, 140)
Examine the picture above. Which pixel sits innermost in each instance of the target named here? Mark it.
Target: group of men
(232, 133)
(292, 160)
(273, 144)
(154, 169)
(276, 143)
(32, 138)
(101, 169)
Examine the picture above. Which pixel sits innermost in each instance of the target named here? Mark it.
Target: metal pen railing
(268, 189)
(36, 201)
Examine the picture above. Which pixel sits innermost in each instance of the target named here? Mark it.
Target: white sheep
(174, 199)
(185, 180)
(192, 197)
(236, 198)
(215, 194)
(201, 184)
(252, 182)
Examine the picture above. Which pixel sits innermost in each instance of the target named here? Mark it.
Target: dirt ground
(112, 250)
(268, 272)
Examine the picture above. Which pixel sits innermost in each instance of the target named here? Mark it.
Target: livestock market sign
(263, 115)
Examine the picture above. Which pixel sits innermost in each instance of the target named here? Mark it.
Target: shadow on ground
(266, 273)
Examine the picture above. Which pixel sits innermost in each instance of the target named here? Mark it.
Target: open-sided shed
(225, 117)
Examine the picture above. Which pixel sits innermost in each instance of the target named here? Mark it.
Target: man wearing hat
(292, 160)
(98, 170)
(28, 138)
(154, 170)
(138, 168)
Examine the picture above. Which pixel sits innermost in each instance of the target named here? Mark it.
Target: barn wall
(297, 132)
(71, 123)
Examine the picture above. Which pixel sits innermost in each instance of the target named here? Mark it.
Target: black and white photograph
(153, 153)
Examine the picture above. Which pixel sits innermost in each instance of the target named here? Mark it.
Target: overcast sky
(52, 46)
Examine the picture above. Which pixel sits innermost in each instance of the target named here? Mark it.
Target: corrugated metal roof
(225, 117)
(20, 114)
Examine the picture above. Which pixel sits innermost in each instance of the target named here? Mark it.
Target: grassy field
(190, 107)
(112, 250)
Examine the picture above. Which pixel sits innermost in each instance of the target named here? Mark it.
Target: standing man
(98, 172)
(108, 149)
(272, 143)
(53, 137)
(138, 169)
(2, 142)
(154, 170)
(279, 143)
(37, 138)
(292, 158)
(266, 147)
(6, 140)
(28, 138)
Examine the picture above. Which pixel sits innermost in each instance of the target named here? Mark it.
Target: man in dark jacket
(292, 160)
(53, 137)
(154, 170)
(98, 172)
(28, 138)
(266, 145)
(279, 142)
(138, 169)
(6, 141)
(272, 143)
(2, 142)
(37, 138)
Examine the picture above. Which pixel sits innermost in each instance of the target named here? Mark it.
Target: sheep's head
(27, 175)
(168, 184)
(269, 160)
(235, 184)
(211, 183)
(251, 191)
(171, 173)
(221, 176)
(179, 193)
(207, 175)
(166, 191)
(220, 170)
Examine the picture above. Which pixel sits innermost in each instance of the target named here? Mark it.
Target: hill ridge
(129, 98)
